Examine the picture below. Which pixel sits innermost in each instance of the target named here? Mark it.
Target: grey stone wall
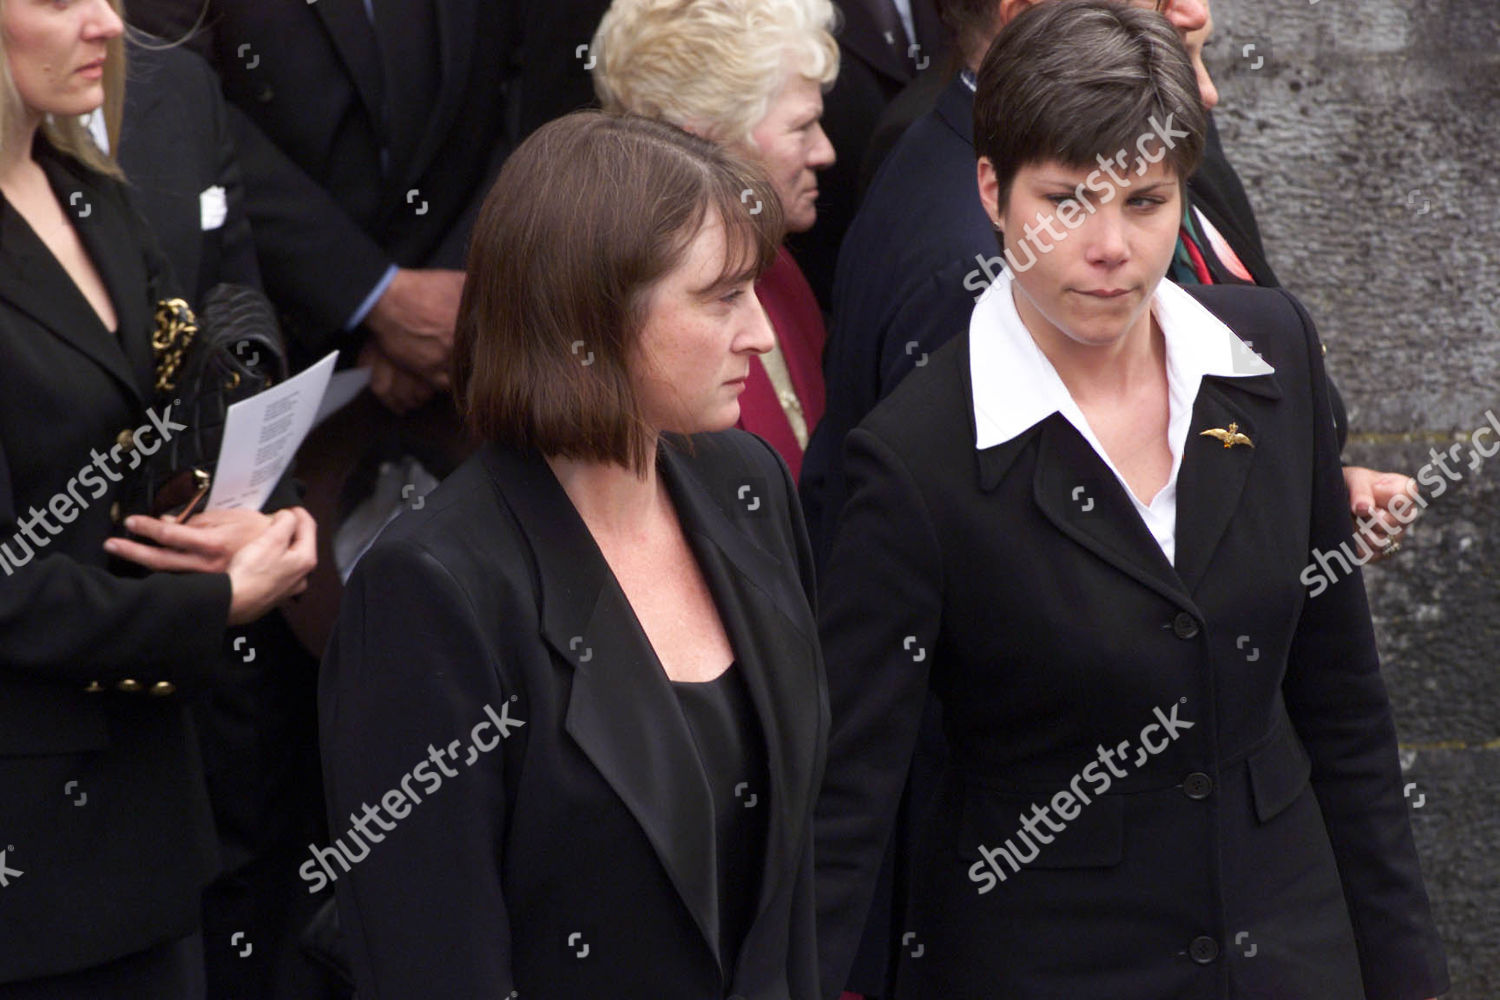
(1368, 135)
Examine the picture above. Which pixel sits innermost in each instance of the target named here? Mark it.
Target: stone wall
(1368, 135)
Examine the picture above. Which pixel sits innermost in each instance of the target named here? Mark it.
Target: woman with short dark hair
(1085, 525)
(597, 632)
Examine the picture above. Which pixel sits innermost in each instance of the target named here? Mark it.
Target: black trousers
(171, 971)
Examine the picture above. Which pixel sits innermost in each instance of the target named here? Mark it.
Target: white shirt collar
(94, 120)
(1015, 387)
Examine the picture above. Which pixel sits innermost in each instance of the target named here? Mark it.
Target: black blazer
(573, 860)
(175, 144)
(327, 216)
(120, 870)
(1265, 851)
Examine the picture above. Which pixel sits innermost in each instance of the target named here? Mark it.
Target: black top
(732, 749)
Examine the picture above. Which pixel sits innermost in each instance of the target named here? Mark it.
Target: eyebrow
(810, 111)
(725, 281)
(1147, 189)
(1070, 185)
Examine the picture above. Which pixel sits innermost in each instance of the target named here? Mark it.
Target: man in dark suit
(360, 203)
(883, 46)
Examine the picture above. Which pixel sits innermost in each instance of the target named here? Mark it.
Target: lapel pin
(1230, 435)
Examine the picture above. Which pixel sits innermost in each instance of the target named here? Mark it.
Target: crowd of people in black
(868, 435)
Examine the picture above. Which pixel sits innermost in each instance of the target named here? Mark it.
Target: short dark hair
(1073, 80)
(586, 216)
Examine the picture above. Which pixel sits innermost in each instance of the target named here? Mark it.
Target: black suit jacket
(113, 863)
(309, 85)
(576, 859)
(1265, 851)
(175, 145)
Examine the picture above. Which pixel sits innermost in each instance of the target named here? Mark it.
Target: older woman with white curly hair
(749, 75)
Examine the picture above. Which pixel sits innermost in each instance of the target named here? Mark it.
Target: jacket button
(128, 686)
(126, 439)
(265, 95)
(94, 688)
(1203, 950)
(163, 688)
(1198, 786)
(1185, 625)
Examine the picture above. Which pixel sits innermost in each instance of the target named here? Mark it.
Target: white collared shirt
(1016, 387)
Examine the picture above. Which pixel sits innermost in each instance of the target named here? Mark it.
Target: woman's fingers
(187, 538)
(157, 558)
(305, 542)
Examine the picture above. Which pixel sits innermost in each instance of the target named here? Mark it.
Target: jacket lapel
(1081, 496)
(456, 20)
(617, 683)
(354, 38)
(1077, 492)
(34, 281)
(115, 248)
(1212, 477)
(864, 31)
(759, 609)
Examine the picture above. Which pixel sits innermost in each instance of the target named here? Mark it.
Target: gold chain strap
(175, 327)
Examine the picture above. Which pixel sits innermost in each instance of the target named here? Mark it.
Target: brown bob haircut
(586, 216)
(1072, 80)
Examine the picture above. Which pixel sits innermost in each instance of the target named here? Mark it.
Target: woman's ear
(1008, 9)
(989, 190)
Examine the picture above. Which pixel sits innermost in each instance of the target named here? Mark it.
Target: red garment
(793, 310)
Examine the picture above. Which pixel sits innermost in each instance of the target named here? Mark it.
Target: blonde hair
(710, 66)
(69, 134)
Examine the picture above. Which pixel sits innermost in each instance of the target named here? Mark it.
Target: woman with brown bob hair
(598, 630)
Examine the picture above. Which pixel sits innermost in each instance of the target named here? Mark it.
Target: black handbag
(230, 351)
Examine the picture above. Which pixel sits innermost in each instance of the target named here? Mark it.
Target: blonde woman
(105, 839)
(750, 75)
